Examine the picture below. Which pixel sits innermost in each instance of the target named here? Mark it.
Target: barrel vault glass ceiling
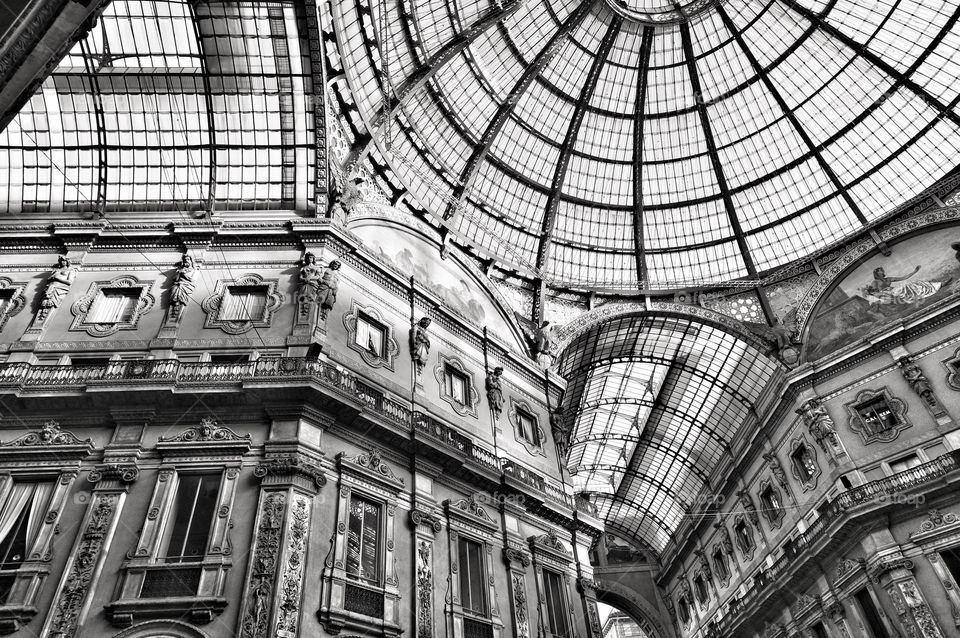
(611, 143)
(171, 105)
(656, 404)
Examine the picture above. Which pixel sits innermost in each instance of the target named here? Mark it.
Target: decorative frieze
(424, 589)
(291, 579)
(206, 439)
(255, 618)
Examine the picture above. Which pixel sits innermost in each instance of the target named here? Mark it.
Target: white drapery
(112, 306)
(22, 495)
(244, 303)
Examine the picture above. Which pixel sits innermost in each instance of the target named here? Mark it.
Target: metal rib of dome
(591, 147)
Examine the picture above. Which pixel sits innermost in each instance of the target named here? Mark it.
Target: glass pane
(196, 503)
(363, 539)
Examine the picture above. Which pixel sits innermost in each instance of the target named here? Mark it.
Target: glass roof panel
(780, 108)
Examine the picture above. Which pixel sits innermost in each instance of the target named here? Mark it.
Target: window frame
(390, 347)
(808, 479)
(774, 509)
(859, 425)
(720, 566)
(445, 363)
(84, 306)
(564, 602)
(215, 305)
(749, 546)
(469, 520)
(369, 477)
(17, 301)
(550, 555)
(521, 409)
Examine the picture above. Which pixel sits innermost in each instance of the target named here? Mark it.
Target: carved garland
(49, 434)
(82, 306)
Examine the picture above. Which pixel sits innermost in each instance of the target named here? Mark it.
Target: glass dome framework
(581, 145)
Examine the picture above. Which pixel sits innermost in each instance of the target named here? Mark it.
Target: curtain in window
(20, 495)
(369, 337)
(244, 304)
(38, 510)
(112, 307)
(363, 540)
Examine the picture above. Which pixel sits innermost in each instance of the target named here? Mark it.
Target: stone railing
(875, 492)
(25, 377)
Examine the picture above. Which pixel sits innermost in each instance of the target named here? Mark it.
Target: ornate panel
(214, 304)
(129, 321)
(877, 416)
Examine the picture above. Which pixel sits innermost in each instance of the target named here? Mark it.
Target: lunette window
(363, 539)
(194, 509)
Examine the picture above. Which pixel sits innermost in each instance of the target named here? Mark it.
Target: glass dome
(640, 143)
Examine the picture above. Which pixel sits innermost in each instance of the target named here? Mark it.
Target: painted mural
(920, 271)
(443, 277)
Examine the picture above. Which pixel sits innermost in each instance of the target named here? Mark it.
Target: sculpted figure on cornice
(775, 466)
(920, 384)
(819, 423)
(58, 285)
(495, 391)
(420, 345)
(183, 286)
(561, 430)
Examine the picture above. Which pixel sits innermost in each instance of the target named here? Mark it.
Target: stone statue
(778, 473)
(183, 285)
(543, 344)
(818, 422)
(327, 288)
(495, 391)
(918, 382)
(420, 344)
(58, 285)
(310, 275)
(561, 430)
(349, 197)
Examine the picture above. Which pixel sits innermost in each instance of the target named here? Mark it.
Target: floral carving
(290, 465)
(520, 606)
(49, 434)
(937, 519)
(420, 517)
(114, 471)
(373, 462)
(424, 591)
(256, 621)
(66, 611)
(511, 554)
(292, 579)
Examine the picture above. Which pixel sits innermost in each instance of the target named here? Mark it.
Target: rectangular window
(556, 604)
(877, 415)
(819, 631)
(20, 520)
(6, 298)
(363, 539)
(458, 386)
(371, 335)
(720, 565)
(473, 595)
(803, 462)
(905, 463)
(195, 506)
(771, 502)
(951, 558)
(870, 615)
(114, 305)
(528, 428)
(244, 303)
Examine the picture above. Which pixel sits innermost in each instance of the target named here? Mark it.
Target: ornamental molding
(867, 433)
(513, 555)
(861, 249)
(255, 618)
(291, 580)
(121, 473)
(883, 566)
(49, 435)
(427, 519)
(213, 304)
(773, 515)
(371, 466)
(17, 301)
(207, 438)
(81, 307)
(846, 567)
(469, 510)
(937, 521)
(391, 347)
(285, 468)
(803, 604)
(548, 546)
(952, 366)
